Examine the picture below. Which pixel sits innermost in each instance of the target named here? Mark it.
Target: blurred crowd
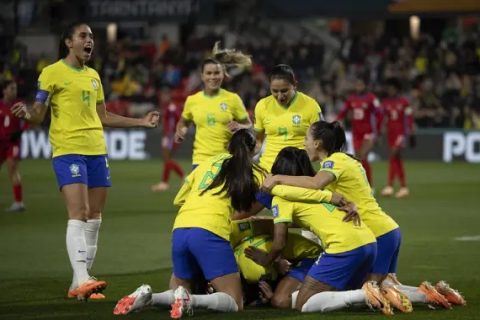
(441, 78)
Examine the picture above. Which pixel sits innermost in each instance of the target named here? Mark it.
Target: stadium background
(149, 49)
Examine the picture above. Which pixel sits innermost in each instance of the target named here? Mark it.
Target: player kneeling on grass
(200, 244)
(350, 249)
(284, 275)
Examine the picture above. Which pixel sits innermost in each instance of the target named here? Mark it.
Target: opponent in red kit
(11, 129)
(365, 108)
(172, 112)
(398, 112)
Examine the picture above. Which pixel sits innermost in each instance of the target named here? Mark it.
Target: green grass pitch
(134, 245)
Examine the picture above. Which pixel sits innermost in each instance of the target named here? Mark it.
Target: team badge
(94, 84)
(296, 119)
(275, 211)
(328, 165)
(75, 170)
(223, 106)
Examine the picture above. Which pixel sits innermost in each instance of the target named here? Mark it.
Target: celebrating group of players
(223, 255)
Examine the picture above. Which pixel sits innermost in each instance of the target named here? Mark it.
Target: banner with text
(122, 144)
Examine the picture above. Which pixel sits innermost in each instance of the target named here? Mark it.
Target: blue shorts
(194, 166)
(388, 248)
(346, 270)
(196, 250)
(300, 271)
(265, 199)
(90, 170)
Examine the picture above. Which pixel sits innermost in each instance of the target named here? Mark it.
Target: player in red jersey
(398, 112)
(11, 129)
(172, 112)
(366, 109)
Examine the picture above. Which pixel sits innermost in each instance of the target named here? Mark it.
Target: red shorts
(10, 151)
(396, 141)
(359, 139)
(168, 142)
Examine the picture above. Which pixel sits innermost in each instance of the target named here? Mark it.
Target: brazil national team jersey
(351, 182)
(207, 211)
(284, 126)
(211, 116)
(325, 221)
(73, 95)
(296, 249)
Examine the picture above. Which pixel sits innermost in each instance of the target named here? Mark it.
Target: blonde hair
(228, 58)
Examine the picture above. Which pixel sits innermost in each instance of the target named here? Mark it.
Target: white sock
(402, 288)
(77, 249)
(91, 236)
(310, 236)
(331, 301)
(217, 301)
(165, 298)
(294, 299)
(415, 296)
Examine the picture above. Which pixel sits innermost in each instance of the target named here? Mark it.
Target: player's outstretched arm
(35, 115)
(115, 121)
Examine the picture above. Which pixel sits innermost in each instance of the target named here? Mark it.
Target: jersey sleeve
(184, 191)
(239, 111)
(240, 229)
(334, 166)
(258, 126)
(45, 86)
(301, 194)
(282, 210)
(317, 112)
(187, 110)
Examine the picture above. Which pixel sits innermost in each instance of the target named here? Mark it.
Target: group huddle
(224, 256)
(221, 263)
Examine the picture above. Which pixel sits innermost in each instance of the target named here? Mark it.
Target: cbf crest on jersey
(296, 119)
(223, 106)
(94, 84)
(75, 170)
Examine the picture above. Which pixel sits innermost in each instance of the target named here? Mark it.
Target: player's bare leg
(14, 174)
(315, 296)
(403, 192)
(282, 297)
(76, 198)
(362, 153)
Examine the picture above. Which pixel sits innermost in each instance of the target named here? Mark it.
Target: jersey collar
(71, 67)
(214, 96)
(291, 102)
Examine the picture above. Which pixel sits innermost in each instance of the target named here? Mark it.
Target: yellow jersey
(297, 248)
(284, 126)
(211, 116)
(351, 182)
(207, 211)
(325, 221)
(73, 95)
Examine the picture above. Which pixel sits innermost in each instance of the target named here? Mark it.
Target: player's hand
(258, 256)
(351, 213)
(151, 119)
(268, 184)
(338, 200)
(19, 110)
(282, 266)
(413, 141)
(234, 126)
(266, 290)
(180, 134)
